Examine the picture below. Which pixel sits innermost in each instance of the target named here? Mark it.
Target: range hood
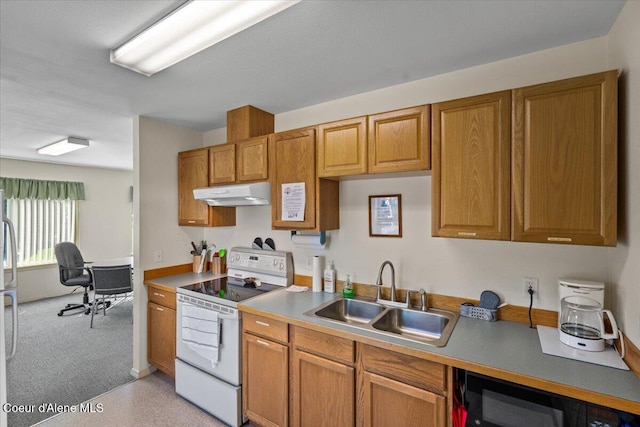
(256, 194)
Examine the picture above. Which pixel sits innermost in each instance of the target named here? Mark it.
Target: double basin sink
(432, 327)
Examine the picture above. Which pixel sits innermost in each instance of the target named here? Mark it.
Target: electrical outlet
(529, 282)
(157, 256)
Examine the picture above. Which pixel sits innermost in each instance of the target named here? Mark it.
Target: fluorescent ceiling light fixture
(64, 146)
(194, 26)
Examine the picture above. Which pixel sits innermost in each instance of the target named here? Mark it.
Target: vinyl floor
(149, 401)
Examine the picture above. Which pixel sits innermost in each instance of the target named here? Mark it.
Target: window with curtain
(44, 214)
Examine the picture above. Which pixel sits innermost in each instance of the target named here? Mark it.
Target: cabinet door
(161, 338)
(193, 172)
(294, 161)
(392, 403)
(265, 381)
(565, 161)
(252, 159)
(471, 146)
(399, 140)
(323, 392)
(342, 148)
(222, 164)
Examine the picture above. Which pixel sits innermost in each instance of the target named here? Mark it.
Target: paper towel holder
(323, 236)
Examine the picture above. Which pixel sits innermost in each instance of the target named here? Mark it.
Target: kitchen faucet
(393, 280)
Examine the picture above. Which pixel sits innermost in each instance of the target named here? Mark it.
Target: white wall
(445, 266)
(104, 219)
(624, 54)
(155, 151)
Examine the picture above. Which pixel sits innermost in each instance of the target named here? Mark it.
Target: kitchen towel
(296, 288)
(201, 331)
(316, 284)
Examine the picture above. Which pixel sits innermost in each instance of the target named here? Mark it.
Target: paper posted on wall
(293, 201)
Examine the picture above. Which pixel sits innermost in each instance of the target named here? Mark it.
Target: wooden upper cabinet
(471, 149)
(242, 161)
(252, 159)
(342, 148)
(222, 164)
(294, 161)
(399, 140)
(565, 161)
(247, 122)
(193, 172)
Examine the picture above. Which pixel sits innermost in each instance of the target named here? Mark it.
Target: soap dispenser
(330, 279)
(347, 289)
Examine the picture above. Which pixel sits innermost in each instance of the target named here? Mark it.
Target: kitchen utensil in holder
(478, 312)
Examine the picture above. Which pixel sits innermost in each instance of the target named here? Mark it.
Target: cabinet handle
(158, 295)
(262, 342)
(262, 323)
(466, 233)
(558, 239)
(159, 309)
(191, 222)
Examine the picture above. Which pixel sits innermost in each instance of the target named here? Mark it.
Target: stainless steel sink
(431, 327)
(349, 311)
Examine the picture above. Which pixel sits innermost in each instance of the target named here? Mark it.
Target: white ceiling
(56, 79)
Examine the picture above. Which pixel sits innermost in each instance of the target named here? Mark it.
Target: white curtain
(40, 225)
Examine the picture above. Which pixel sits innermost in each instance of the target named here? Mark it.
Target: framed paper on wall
(385, 216)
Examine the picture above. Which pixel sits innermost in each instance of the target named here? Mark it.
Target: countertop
(178, 280)
(502, 349)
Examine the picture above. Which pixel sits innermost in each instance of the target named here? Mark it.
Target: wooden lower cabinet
(161, 337)
(265, 387)
(403, 390)
(327, 380)
(391, 403)
(323, 392)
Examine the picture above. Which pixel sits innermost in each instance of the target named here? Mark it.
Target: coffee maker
(581, 315)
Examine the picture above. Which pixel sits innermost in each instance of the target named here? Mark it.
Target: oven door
(229, 365)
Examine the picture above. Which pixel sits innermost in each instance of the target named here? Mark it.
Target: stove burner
(230, 289)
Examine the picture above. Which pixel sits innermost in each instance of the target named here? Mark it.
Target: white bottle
(330, 279)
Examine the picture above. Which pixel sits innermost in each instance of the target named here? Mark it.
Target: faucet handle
(408, 301)
(423, 299)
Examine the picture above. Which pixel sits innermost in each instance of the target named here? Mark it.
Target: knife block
(218, 265)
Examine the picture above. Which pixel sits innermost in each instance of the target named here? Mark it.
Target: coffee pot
(581, 323)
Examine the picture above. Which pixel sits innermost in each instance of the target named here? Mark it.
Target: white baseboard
(137, 374)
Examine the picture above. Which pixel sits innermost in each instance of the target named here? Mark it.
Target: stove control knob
(281, 266)
(275, 261)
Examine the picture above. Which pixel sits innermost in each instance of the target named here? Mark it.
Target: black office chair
(73, 272)
(110, 281)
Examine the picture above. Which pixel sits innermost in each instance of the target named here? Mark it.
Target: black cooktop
(230, 289)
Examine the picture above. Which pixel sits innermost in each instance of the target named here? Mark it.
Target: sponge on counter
(489, 300)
